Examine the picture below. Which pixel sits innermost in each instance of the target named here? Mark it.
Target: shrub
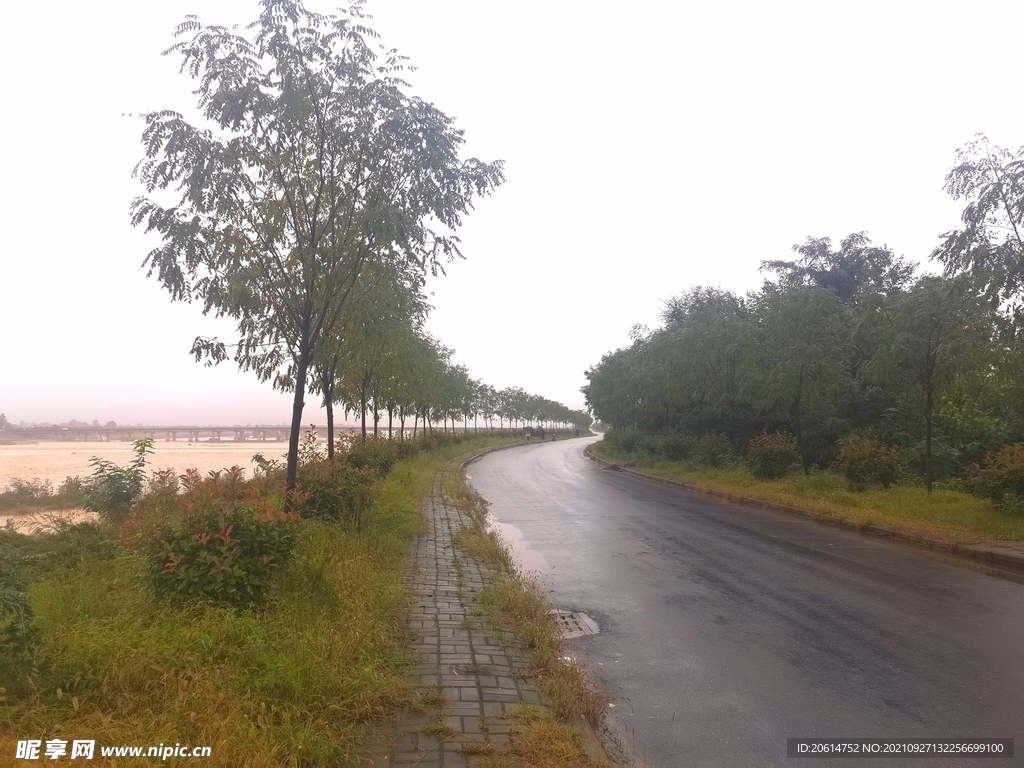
(113, 490)
(24, 559)
(772, 456)
(72, 486)
(18, 638)
(868, 462)
(713, 450)
(226, 558)
(38, 494)
(1001, 478)
(623, 440)
(337, 490)
(376, 453)
(676, 447)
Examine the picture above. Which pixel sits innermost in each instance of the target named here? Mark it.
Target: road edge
(1000, 562)
(593, 747)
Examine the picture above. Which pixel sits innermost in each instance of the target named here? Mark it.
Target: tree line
(306, 199)
(850, 340)
(380, 363)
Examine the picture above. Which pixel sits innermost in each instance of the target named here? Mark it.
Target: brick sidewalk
(481, 683)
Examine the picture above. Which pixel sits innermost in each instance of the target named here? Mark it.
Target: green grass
(949, 516)
(304, 680)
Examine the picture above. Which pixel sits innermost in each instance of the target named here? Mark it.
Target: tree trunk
(302, 365)
(415, 422)
(391, 411)
(329, 405)
(928, 440)
(362, 408)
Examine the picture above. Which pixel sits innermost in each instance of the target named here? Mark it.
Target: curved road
(726, 629)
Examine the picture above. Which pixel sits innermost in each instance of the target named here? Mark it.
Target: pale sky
(648, 146)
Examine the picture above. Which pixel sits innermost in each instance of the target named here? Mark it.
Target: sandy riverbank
(54, 461)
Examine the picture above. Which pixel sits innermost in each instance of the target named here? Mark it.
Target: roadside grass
(515, 605)
(946, 515)
(303, 680)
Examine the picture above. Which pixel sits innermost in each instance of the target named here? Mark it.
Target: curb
(996, 559)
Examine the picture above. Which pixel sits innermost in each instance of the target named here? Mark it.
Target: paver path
(481, 681)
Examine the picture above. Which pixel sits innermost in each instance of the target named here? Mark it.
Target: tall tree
(801, 364)
(857, 268)
(945, 330)
(310, 159)
(990, 245)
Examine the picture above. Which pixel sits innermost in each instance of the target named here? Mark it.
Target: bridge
(193, 434)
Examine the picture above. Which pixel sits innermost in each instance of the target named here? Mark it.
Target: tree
(4, 424)
(991, 243)
(857, 268)
(801, 365)
(944, 327)
(310, 160)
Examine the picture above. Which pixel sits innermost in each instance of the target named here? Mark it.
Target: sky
(649, 147)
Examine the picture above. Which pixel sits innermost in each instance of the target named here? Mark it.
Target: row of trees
(306, 200)
(380, 362)
(849, 340)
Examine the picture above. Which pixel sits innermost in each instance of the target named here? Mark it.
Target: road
(726, 629)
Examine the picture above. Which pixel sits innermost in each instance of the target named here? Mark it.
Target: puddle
(526, 559)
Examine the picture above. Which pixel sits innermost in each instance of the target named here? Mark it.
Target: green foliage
(867, 462)
(713, 450)
(24, 559)
(990, 245)
(18, 637)
(113, 490)
(223, 558)
(337, 491)
(36, 494)
(1001, 478)
(274, 221)
(843, 342)
(773, 455)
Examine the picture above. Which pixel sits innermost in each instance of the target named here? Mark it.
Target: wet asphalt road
(726, 629)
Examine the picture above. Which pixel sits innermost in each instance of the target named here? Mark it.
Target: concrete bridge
(193, 434)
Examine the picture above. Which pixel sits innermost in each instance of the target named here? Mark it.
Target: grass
(945, 515)
(515, 606)
(302, 681)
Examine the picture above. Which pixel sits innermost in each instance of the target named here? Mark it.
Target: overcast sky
(649, 147)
